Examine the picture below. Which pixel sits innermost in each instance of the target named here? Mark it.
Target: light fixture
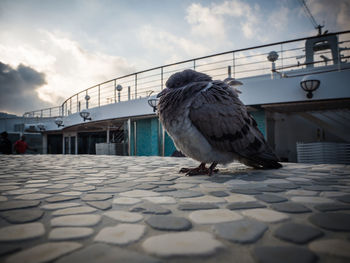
(309, 84)
(59, 122)
(119, 89)
(85, 115)
(41, 126)
(153, 103)
(273, 56)
(87, 98)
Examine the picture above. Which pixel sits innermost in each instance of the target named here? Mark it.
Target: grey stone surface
(331, 221)
(245, 205)
(290, 207)
(332, 207)
(245, 191)
(44, 252)
(102, 205)
(185, 194)
(274, 254)
(21, 232)
(214, 216)
(70, 233)
(219, 193)
(8, 205)
(196, 206)
(297, 233)
(136, 204)
(98, 253)
(169, 223)
(121, 234)
(149, 208)
(190, 243)
(242, 231)
(345, 198)
(55, 199)
(270, 198)
(22, 215)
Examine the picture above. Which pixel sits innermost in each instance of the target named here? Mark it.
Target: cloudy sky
(52, 49)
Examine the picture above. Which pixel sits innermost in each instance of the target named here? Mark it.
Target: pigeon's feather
(224, 121)
(208, 122)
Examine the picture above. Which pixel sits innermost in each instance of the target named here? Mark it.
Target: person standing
(21, 146)
(5, 144)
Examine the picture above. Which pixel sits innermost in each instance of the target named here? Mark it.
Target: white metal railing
(243, 63)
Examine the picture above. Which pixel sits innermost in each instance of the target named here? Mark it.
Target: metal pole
(135, 138)
(115, 93)
(108, 134)
(118, 96)
(129, 136)
(233, 63)
(161, 77)
(99, 95)
(229, 71)
(194, 64)
(129, 93)
(135, 86)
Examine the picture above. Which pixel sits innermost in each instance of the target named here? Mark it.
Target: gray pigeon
(209, 123)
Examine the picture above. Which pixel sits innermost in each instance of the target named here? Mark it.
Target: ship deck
(68, 208)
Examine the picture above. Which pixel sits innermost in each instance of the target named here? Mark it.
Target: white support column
(44, 151)
(107, 130)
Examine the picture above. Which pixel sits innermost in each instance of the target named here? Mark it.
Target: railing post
(78, 103)
(129, 93)
(194, 64)
(50, 112)
(135, 86)
(99, 88)
(115, 93)
(41, 113)
(161, 77)
(233, 64)
(229, 71)
(282, 58)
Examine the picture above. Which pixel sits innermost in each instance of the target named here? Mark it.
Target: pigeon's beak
(163, 92)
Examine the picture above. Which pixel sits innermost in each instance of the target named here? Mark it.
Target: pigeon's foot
(200, 170)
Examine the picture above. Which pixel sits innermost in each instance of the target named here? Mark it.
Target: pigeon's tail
(262, 161)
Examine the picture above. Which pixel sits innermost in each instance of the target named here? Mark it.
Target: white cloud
(68, 67)
(169, 46)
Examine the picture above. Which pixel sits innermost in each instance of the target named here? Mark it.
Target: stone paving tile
(271, 198)
(22, 215)
(44, 253)
(190, 243)
(138, 203)
(169, 223)
(265, 215)
(98, 253)
(242, 231)
(214, 216)
(290, 207)
(297, 233)
(123, 216)
(76, 220)
(21, 232)
(102, 205)
(333, 247)
(122, 234)
(274, 254)
(331, 221)
(196, 206)
(70, 233)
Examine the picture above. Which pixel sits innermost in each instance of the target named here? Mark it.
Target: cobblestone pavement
(61, 208)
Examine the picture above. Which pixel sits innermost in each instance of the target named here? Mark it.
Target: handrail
(135, 80)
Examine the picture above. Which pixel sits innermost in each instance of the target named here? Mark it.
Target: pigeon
(209, 123)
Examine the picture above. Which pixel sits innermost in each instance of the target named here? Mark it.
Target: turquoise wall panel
(147, 137)
(259, 117)
(169, 145)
